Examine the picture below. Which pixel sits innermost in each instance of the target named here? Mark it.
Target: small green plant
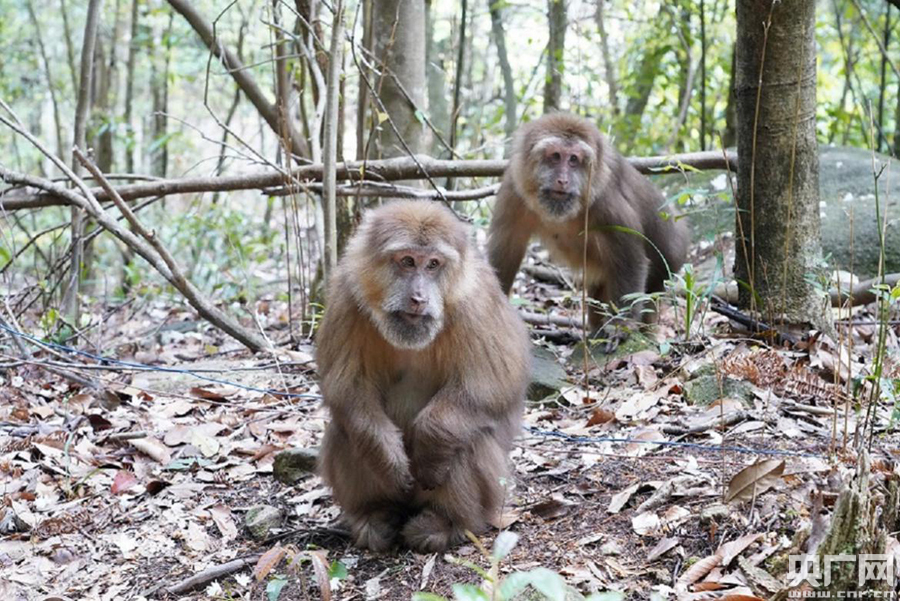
(545, 582)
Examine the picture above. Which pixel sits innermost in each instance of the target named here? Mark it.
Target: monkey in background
(560, 164)
(424, 366)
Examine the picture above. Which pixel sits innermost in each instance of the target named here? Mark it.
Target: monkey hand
(430, 462)
(399, 470)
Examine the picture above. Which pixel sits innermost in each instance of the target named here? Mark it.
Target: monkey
(560, 165)
(423, 366)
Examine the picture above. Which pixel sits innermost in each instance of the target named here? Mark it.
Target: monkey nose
(417, 303)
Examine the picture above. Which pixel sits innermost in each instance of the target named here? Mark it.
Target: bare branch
(241, 76)
(400, 168)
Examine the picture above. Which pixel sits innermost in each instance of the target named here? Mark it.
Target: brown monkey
(544, 192)
(424, 366)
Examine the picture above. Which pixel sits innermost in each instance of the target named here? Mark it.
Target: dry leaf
(320, 568)
(662, 547)
(754, 480)
(696, 572)
(153, 448)
(123, 481)
(600, 416)
(269, 561)
(645, 523)
(221, 516)
(729, 551)
(619, 499)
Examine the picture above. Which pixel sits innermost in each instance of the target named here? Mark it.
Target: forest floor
(685, 471)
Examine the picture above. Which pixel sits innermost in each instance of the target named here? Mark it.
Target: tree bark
(558, 21)
(399, 27)
(777, 242)
(509, 84)
(609, 66)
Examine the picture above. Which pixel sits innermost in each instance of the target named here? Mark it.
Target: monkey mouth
(410, 330)
(556, 203)
(412, 318)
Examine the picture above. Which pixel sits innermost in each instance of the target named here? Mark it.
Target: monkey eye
(573, 160)
(555, 156)
(407, 261)
(433, 264)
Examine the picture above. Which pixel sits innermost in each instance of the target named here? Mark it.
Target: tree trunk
(399, 27)
(558, 20)
(159, 84)
(105, 97)
(129, 87)
(362, 125)
(71, 301)
(438, 110)
(457, 80)
(886, 42)
(702, 74)
(778, 244)
(897, 124)
(509, 85)
(329, 151)
(45, 61)
(609, 66)
(729, 136)
(70, 47)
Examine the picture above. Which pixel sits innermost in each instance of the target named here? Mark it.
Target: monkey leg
(373, 505)
(471, 495)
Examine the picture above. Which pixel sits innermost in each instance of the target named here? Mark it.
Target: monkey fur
(544, 191)
(424, 366)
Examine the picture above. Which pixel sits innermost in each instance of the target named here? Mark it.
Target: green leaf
(514, 584)
(427, 597)
(504, 543)
(420, 116)
(548, 583)
(274, 586)
(469, 592)
(337, 570)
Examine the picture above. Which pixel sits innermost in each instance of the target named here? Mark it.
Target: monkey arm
(483, 398)
(356, 408)
(511, 229)
(353, 399)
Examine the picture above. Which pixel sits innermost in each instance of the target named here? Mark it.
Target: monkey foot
(429, 532)
(612, 338)
(375, 531)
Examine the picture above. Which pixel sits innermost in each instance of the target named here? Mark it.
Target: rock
(636, 342)
(845, 181)
(293, 465)
(547, 376)
(714, 512)
(261, 520)
(705, 389)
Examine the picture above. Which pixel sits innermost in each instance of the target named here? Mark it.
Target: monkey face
(561, 170)
(413, 307)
